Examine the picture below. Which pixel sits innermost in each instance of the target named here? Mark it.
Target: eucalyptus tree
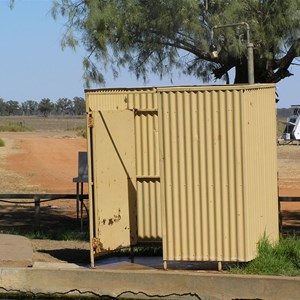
(45, 107)
(64, 106)
(12, 107)
(2, 107)
(164, 35)
(29, 107)
(78, 105)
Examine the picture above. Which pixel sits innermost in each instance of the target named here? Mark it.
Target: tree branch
(286, 61)
(221, 71)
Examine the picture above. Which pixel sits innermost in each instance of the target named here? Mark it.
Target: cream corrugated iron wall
(260, 164)
(144, 104)
(211, 199)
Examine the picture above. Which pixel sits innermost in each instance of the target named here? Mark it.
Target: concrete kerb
(145, 284)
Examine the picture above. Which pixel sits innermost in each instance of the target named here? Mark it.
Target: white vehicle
(292, 128)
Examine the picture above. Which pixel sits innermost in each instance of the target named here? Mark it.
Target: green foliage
(14, 127)
(158, 37)
(12, 107)
(2, 143)
(29, 107)
(79, 106)
(63, 106)
(282, 258)
(45, 107)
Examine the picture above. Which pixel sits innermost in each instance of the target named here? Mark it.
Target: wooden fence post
(37, 211)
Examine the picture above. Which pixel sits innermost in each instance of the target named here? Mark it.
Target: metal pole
(250, 56)
(250, 63)
(37, 211)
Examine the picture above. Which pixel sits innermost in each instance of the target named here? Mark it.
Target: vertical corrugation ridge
(223, 199)
(217, 176)
(238, 176)
(202, 125)
(244, 215)
(147, 158)
(195, 137)
(209, 173)
(189, 133)
(231, 178)
(174, 173)
(172, 229)
(226, 109)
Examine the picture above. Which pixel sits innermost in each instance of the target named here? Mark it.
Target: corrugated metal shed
(211, 148)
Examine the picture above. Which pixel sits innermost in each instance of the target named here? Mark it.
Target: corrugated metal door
(112, 180)
(144, 104)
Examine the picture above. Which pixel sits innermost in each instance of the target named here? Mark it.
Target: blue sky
(33, 65)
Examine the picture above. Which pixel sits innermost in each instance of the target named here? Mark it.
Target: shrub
(14, 127)
(2, 144)
(281, 258)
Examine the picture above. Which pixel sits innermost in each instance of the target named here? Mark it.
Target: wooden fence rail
(38, 198)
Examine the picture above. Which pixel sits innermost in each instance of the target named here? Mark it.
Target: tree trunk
(241, 73)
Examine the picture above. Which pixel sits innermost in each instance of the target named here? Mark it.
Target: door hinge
(90, 121)
(97, 245)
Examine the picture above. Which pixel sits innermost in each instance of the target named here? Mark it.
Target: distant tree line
(284, 112)
(45, 107)
(63, 107)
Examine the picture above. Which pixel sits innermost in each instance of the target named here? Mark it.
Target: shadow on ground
(290, 222)
(59, 236)
(22, 218)
(77, 256)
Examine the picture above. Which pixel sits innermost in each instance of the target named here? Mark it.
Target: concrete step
(15, 251)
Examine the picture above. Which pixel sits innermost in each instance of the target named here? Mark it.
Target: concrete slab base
(146, 284)
(15, 251)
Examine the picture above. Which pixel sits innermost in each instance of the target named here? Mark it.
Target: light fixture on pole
(250, 59)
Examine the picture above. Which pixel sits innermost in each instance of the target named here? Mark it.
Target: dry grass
(49, 123)
(280, 126)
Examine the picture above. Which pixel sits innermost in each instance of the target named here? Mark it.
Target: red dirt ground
(40, 161)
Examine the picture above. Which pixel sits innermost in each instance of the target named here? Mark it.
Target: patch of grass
(58, 235)
(14, 127)
(281, 258)
(2, 144)
(82, 133)
(81, 130)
